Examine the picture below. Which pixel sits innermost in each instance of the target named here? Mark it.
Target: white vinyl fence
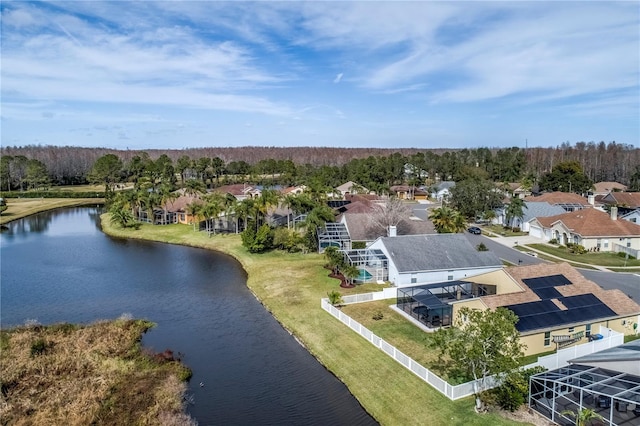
(465, 389)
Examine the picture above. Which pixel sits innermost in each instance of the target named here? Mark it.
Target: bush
(624, 255)
(481, 247)
(514, 389)
(378, 316)
(358, 245)
(553, 241)
(39, 347)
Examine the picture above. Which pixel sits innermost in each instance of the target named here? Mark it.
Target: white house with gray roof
(421, 259)
(530, 210)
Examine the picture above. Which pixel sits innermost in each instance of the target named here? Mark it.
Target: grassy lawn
(18, 208)
(551, 258)
(505, 232)
(290, 287)
(602, 259)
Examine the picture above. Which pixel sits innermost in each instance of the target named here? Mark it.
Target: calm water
(59, 267)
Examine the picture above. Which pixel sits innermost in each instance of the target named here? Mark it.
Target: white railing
(559, 359)
(562, 357)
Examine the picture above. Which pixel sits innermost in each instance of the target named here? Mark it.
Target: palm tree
(447, 220)
(334, 258)
(212, 208)
(166, 196)
(584, 417)
(514, 210)
(194, 187)
(269, 198)
(194, 209)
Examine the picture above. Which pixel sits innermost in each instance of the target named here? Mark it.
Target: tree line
(376, 169)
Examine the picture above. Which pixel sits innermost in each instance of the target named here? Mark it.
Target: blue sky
(169, 74)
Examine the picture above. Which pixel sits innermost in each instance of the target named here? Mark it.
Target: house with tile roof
(567, 200)
(591, 228)
(555, 304)
(409, 192)
(417, 259)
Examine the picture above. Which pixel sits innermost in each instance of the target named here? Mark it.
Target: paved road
(628, 283)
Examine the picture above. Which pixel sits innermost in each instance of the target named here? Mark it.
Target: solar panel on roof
(547, 293)
(548, 281)
(580, 301)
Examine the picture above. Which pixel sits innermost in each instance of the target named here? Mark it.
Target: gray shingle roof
(436, 252)
(540, 209)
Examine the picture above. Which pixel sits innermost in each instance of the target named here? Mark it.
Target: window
(587, 330)
(450, 276)
(547, 338)
(598, 242)
(628, 242)
(571, 329)
(414, 278)
(606, 243)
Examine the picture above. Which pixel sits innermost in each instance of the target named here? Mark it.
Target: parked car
(474, 230)
(532, 253)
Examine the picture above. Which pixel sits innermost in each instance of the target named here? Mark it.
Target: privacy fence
(454, 392)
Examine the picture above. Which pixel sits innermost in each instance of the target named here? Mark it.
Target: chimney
(393, 231)
(591, 199)
(614, 213)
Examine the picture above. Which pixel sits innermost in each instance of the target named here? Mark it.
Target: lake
(58, 266)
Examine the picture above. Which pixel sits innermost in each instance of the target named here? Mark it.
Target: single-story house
(567, 200)
(603, 188)
(240, 191)
(591, 228)
(409, 192)
(555, 304)
(624, 201)
(420, 259)
(351, 188)
(530, 210)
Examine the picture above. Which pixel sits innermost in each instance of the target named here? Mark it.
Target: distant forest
(600, 162)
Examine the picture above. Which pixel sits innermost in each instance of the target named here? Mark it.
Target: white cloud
(338, 78)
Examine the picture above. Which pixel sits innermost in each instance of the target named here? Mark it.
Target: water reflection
(254, 372)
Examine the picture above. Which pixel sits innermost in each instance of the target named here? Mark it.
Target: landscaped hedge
(51, 194)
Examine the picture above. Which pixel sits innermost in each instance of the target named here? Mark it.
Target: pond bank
(290, 287)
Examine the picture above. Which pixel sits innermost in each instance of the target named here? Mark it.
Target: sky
(379, 74)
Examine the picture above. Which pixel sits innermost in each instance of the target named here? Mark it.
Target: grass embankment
(17, 208)
(605, 259)
(290, 286)
(81, 375)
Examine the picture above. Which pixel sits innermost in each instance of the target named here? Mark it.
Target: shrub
(553, 241)
(378, 316)
(514, 389)
(39, 347)
(481, 247)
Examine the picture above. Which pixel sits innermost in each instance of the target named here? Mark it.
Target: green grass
(504, 232)
(530, 359)
(601, 258)
(17, 208)
(290, 286)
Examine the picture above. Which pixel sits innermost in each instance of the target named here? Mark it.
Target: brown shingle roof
(629, 199)
(559, 198)
(591, 222)
(605, 187)
(616, 300)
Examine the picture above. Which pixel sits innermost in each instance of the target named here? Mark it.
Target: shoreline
(291, 291)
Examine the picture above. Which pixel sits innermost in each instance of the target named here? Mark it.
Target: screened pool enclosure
(431, 303)
(613, 395)
(372, 264)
